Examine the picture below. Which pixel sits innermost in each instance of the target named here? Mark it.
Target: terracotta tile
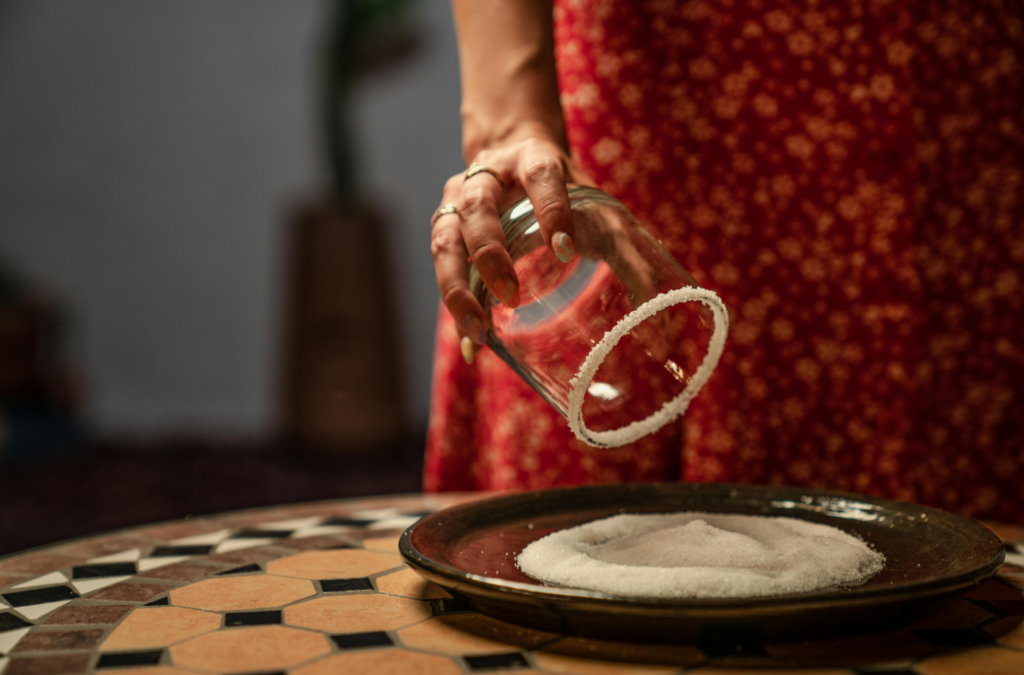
(382, 662)
(985, 661)
(255, 649)
(127, 592)
(94, 548)
(66, 616)
(356, 613)
(65, 664)
(625, 652)
(713, 670)
(1012, 579)
(62, 640)
(246, 556)
(181, 572)
(993, 589)
(150, 627)
(440, 501)
(388, 544)
(152, 670)
(951, 615)
(471, 634)
(556, 663)
(37, 563)
(855, 650)
(248, 518)
(179, 530)
(337, 564)
(326, 509)
(242, 592)
(402, 503)
(1009, 631)
(411, 585)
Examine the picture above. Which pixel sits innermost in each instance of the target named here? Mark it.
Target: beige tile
(344, 563)
(382, 662)
(240, 650)
(356, 613)
(985, 661)
(471, 634)
(557, 663)
(242, 592)
(625, 652)
(388, 544)
(411, 585)
(148, 627)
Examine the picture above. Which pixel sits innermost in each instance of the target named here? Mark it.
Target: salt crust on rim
(578, 385)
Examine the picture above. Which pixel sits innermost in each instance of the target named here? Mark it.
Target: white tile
(3, 605)
(46, 580)
(86, 586)
(3, 663)
(323, 529)
(374, 514)
(123, 556)
(399, 523)
(293, 524)
(1015, 558)
(11, 638)
(33, 612)
(238, 544)
(147, 564)
(208, 538)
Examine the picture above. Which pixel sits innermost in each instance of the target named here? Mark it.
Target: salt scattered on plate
(700, 555)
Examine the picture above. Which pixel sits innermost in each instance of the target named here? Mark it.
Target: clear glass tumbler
(620, 339)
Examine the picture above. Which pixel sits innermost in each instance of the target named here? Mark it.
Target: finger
(542, 173)
(479, 205)
(450, 266)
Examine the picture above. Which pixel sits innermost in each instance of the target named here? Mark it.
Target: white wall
(148, 150)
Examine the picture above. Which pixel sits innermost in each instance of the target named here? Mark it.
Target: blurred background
(216, 289)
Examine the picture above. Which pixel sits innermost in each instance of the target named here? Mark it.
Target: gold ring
(474, 169)
(443, 211)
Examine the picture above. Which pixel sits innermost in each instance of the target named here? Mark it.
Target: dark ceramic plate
(470, 550)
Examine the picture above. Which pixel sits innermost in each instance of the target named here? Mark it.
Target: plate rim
(496, 587)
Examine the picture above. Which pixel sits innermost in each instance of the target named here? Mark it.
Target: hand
(534, 167)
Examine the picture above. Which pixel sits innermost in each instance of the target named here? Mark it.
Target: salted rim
(613, 438)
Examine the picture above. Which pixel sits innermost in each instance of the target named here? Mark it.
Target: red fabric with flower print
(849, 178)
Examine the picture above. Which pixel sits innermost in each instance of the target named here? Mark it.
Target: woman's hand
(535, 167)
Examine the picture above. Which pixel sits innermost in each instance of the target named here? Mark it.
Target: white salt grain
(700, 555)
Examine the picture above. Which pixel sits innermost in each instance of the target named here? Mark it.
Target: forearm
(507, 63)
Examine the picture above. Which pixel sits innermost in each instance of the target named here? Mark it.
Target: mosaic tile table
(320, 588)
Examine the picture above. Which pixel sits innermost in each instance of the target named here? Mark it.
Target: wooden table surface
(320, 588)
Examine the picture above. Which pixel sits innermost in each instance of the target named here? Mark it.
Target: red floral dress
(849, 178)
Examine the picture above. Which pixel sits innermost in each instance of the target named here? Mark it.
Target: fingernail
(507, 291)
(466, 344)
(474, 327)
(563, 246)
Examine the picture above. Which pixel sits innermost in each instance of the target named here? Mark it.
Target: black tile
(496, 661)
(362, 640)
(345, 585)
(264, 618)
(417, 514)
(98, 571)
(37, 596)
(254, 567)
(349, 522)
(130, 659)
(448, 606)
(159, 602)
(954, 638)
(10, 621)
(168, 551)
(262, 534)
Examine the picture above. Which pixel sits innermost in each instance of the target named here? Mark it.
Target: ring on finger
(474, 169)
(443, 211)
